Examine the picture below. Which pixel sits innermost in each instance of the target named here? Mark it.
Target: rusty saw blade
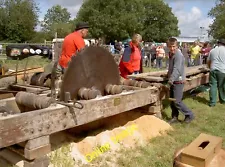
(92, 67)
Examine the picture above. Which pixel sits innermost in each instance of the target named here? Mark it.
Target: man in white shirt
(216, 63)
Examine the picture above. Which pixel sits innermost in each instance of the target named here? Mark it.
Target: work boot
(173, 120)
(188, 118)
(212, 105)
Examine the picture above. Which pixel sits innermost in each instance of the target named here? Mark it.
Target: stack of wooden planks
(161, 76)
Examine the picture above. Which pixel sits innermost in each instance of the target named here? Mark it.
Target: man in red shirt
(73, 43)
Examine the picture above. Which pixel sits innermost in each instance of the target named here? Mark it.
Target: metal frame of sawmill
(29, 133)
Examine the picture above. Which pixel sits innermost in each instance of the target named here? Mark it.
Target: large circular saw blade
(92, 67)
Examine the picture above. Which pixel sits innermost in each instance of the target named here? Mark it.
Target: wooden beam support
(11, 158)
(6, 96)
(37, 142)
(31, 154)
(39, 162)
(10, 104)
(36, 148)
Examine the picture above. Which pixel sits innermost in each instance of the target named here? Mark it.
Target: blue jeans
(197, 61)
(159, 62)
(188, 61)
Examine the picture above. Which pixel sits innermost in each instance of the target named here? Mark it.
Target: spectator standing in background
(153, 55)
(160, 55)
(205, 52)
(87, 43)
(118, 47)
(195, 54)
(216, 63)
(167, 51)
(184, 51)
(130, 62)
(147, 56)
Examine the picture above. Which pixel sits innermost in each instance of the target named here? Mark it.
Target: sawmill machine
(91, 73)
(89, 90)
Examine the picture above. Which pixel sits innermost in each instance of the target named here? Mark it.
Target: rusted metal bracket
(75, 104)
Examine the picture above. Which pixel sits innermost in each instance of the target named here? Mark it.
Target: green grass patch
(148, 69)
(159, 152)
(62, 157)
(32, 62)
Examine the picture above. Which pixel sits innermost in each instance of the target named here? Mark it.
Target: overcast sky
(192, 14)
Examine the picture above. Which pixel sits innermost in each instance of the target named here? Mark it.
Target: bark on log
(5, 82)
(160, 76)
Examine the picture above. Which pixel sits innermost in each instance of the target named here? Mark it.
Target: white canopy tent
(192, 39)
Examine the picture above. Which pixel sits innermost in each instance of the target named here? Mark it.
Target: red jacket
(130, 61)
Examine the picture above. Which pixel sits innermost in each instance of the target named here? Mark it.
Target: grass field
(160, 150)
(35, 61)
(38, 61)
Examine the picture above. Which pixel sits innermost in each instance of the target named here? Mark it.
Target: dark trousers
(204, 59)
(188, 61)
(176, 91)
(216, 82)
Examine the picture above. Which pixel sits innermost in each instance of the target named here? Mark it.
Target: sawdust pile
(126, 130)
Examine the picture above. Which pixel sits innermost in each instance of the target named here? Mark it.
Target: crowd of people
(176, 57)
(157, 55)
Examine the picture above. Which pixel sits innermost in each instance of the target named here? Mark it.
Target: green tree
(217, 28)
(18, 19)
(62, 29)
(57, 19)
(113, 19)
(159, 21)
(39, 37)
(3, 19)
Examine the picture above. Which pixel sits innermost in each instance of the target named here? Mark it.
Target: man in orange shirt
(73, 43)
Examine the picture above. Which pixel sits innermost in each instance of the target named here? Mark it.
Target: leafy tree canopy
(118, 20)
(18, 19)
(57, 19)
(217, 28)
